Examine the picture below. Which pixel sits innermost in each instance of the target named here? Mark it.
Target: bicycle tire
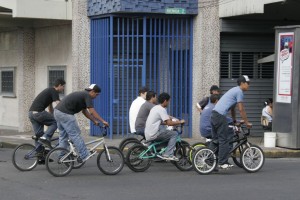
(133, 161)
(204, 161)
(125, 140)
(194, 148)
(24, 157)
(113, 165)
(54, 164)
(236, 155)
(127, 145)
(252, 158)
(181, 152)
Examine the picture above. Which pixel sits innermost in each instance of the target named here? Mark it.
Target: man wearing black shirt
(67, 123)
(38, 116)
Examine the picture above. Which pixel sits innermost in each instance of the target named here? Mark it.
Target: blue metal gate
(128, 52)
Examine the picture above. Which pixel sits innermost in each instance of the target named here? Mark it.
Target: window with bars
(7, 81)
(234, 64)
(55, 72)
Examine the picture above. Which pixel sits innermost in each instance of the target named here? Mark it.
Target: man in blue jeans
(155, 132)
(67, 123)
(232, 98)
(39, 117)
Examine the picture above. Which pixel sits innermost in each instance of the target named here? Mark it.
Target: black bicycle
(246, 155)
(26, 156)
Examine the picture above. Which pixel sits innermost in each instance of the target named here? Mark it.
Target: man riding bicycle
(232, 98)
(155, 132)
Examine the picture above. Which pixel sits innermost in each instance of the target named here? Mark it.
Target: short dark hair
(143, 90)
(150, 94)
(214, 98)
(59, 81)
(163, 97)
(214, 88)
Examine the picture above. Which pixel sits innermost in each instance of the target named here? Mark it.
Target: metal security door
(130, 52)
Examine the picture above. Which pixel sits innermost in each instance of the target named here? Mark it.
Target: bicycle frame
(153, 147)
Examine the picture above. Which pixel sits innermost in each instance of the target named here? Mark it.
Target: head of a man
(143, 92)
(59, 84)
(151, 97)
(214, 89)
(164, 99)
(94, 90)
(214, 98)
(244, 82)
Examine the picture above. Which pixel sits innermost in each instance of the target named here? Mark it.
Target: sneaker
(92, 153)
(45, 141)
(225, 166)
(165, 157)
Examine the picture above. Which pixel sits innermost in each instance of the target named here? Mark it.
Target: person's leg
(47, 119)
(214, 127)
(223, 140)
(170, 136)
(72, 129)
(37, 128)
(63, 136)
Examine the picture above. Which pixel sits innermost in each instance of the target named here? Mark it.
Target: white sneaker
(225, 166)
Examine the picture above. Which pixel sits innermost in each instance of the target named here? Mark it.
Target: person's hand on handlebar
(182, 121)
(248, 125)
(105, 123)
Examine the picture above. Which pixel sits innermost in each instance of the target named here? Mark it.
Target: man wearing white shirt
(135, 107)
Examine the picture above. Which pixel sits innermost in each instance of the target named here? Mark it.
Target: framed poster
(285, 67)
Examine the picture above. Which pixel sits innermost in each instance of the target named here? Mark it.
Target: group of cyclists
(146, 117)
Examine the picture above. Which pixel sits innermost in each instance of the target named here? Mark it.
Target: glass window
(7, 77)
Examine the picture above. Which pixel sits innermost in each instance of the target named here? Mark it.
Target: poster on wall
(285, 67)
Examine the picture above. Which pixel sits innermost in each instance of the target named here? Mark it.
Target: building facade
(178, 46)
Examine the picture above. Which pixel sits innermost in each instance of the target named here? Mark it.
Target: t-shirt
(229, 99)
(75, 102)
(157, 115)
(44, 99)
(266, 114)
(204, 102)
(142, 116)
(133, 111)
(205, 126)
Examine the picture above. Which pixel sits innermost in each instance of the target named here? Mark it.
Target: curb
(8, 145)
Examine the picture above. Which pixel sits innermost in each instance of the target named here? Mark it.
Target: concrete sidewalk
(12, 138)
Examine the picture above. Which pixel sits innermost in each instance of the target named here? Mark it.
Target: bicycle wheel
(25, 157)
(125, 140)
(110, 161)
(252, 158)
(59, 162)
(138, 159)
(236, 155)
(194, 148)
(127, 145)
(204, 161)
(184, 164)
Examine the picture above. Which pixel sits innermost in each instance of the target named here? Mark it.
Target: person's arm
(243, 114)
(198, 107)
(233, 114)
(50, 108)
(169, 122)
(270, 111)
(92, 114)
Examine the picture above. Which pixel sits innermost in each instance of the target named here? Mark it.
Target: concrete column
(25, 77)
(80, 50)
(206, 54)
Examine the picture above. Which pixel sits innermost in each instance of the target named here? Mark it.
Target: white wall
(9, 57)
(53, 47)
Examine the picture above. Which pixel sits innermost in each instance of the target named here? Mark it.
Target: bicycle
(110, 160)
(251, 158)
(26, 156)
(139, 156)
(235, 155)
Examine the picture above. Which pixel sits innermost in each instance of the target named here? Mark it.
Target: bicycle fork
(108, 158)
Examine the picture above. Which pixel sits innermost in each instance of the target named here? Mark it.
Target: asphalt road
(279, 179)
